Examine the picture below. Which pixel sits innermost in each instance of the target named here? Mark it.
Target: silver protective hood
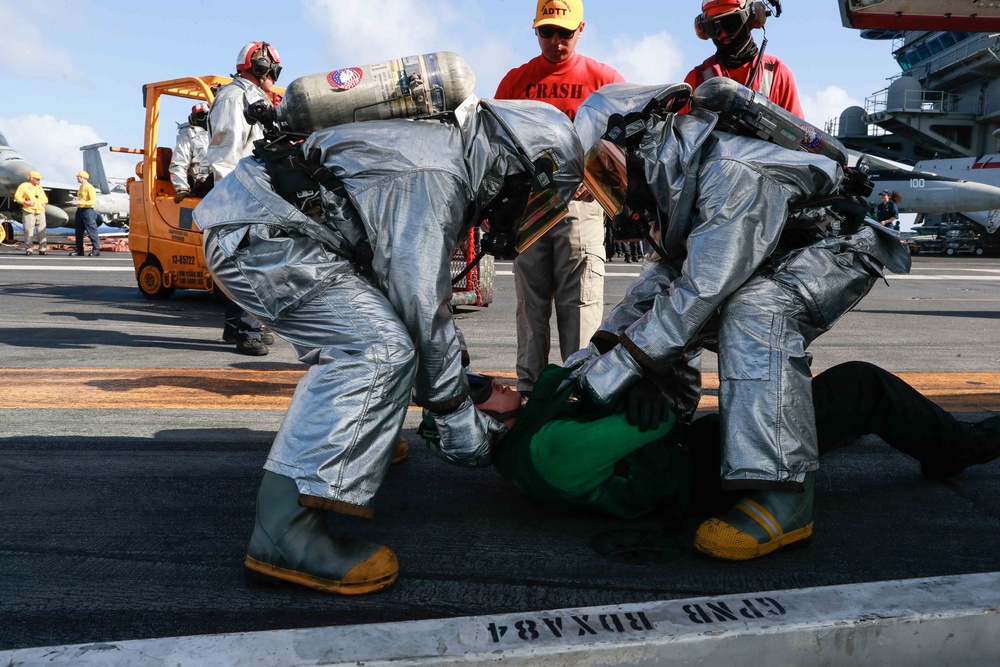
(622, 98)
(670, 150)
(505, 138)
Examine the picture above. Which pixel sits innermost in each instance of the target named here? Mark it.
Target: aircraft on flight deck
(940, 186)
(14, 170)
(984, 170)
(111, 206)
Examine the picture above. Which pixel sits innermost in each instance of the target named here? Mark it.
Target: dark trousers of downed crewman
(851, 400)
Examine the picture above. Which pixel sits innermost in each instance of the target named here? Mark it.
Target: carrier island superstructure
(941, 113)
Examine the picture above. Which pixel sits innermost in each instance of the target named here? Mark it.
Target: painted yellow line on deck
(231, 389)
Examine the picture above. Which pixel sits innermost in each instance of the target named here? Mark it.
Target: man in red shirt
(728, 23)
(567, 263)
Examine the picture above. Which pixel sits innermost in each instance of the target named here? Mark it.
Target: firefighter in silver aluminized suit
(750, 263)
(190, 171)
(231, 138)
(361, 289)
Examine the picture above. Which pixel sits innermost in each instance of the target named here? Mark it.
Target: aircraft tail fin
(94, 166)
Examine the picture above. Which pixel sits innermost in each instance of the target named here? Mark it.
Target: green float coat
(566, 455)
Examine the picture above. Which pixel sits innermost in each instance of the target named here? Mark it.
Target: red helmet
(259, 58)
(201, 107)
(710, 8)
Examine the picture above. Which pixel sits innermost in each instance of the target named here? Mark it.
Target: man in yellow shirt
(33, 199)
(86, 216)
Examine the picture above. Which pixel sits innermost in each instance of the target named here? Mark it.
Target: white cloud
(398, 27)
(52, 146)
(411, 27)
(826, 104)
(651, 60)
(26, 50)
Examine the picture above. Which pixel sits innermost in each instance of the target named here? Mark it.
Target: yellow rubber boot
(293, 543)
(758, 524)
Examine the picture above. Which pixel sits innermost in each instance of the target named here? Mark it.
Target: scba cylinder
(753, 113)
(401, 88)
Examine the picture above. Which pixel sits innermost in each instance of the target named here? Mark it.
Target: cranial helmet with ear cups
(729, 16)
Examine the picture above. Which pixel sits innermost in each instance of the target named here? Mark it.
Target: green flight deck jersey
(564, 454)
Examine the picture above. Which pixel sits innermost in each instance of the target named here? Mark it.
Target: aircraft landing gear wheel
(150, 279)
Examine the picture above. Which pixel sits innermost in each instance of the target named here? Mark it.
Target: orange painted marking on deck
(163, 388)
(955, 392)
(232, 389)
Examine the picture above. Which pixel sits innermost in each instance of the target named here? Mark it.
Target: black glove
(181, 194)
(646, 406)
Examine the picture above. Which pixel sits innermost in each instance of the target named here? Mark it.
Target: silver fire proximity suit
(737, 279)
(374, 330)
(231, 134)
(189, 165)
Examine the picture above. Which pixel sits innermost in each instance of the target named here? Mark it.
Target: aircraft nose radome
(944, 195)
(980, 196)
(14, 170)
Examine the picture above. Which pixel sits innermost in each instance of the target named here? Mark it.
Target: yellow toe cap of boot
(718, 539)
(376, 572)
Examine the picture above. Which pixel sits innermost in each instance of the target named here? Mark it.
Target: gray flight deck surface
(127, 523)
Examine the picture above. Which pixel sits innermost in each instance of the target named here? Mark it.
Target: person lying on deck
(627, 463)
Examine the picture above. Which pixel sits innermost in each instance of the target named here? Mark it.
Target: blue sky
(75, 70)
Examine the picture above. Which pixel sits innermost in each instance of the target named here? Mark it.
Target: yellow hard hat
(566, 14)
(83, 173)
(35, 174)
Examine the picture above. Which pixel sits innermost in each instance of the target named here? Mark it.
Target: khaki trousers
(34, 223)
(566, 266)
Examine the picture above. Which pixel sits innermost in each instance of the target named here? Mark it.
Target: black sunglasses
(547, 31)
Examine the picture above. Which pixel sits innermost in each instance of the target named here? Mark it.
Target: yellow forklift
(164, 239)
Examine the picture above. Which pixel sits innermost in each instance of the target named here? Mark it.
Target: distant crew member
(86, 216)
(258, 66)
(887, 212)
(728, 23)
(567, 264)
(190, 171)
(33, 199)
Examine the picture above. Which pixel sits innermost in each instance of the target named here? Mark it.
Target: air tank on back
(401, 88)
(749, 112)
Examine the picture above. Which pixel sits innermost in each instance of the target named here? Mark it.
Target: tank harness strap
(704, 75)
(299, 182)
(767, 80)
